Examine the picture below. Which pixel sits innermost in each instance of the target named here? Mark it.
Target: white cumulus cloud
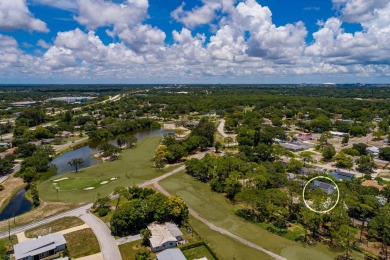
(14, 15)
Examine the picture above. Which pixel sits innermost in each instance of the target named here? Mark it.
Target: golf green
(134, 166)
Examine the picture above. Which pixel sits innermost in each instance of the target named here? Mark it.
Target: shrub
(103, 212)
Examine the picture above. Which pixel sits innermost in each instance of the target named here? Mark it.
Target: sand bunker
(104, 182)
(113, 179)
(89, 188)
(62, 179)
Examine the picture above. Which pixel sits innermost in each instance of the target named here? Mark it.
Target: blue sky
(207, 41)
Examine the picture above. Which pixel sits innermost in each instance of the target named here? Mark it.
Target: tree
(379, 228)
(343, 161)
(228, 140)
(345, 139)
(159, 162)
(362, 148)
(345, 236)
(384, 153)
(126, 141)
(76, 163)
(217, 146)
(365, 163)
(307, 157)
(294, 165)
(377, 135)
(328, 151)
(35, 194)
(323, 140)
(121, 192)
(109, 150)
(143, 254)
(146, 234)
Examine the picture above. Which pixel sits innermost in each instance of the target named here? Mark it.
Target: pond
(86, 152)
(18, 205)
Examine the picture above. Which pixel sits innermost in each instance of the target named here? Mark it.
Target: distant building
(4, 145)
(70, 99)
(306, 171)
(40, 248)
(164, 236)
(304, 137)
(326, 187)
(337, 134)
(171, 254)
(340, 176)
(295, 147)
(23, 104)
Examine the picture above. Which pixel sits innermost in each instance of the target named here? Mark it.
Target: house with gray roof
(326, 187)
(171, 254)
(165, 235)
(40, 248)
(341, 176)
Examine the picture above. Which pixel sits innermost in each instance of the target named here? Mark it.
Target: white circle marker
(323, 211)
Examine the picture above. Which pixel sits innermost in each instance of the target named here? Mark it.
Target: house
(171, 254)
(65, 134)
(40, 248)
(340, 176)
(326, 187)
(4, 145)
(291, 176)
(373, 150)
(381, 163)
(164, 236)
(304, 137)
(295, 147)
(337, 134)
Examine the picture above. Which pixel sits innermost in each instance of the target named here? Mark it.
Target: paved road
(221, 230)
(14, 169)
(107, 242)
(221, 130)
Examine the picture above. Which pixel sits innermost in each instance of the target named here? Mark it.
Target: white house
(164, 236)
(40, 248)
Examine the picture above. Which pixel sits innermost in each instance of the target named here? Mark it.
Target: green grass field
(82, 243)
(215, 208)
(129, 250)
(134, 166)
(53, 227)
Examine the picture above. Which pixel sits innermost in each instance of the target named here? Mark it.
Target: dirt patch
(46, 209)
(12, 185)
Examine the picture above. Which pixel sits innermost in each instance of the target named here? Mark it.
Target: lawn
(225, 247)
(82, 243)
(216, 208)
(6, 245)
(133, 167)
(55, 226)
(129, 250)
(197, 253)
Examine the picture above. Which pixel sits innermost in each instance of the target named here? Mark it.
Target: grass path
(134, 166)
(215, 208)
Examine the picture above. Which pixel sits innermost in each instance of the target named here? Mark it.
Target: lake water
(18, 205)
(86, 152)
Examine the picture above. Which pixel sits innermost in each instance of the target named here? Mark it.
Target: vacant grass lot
(215, 208)
(82, 243)
(197, 253)
(55, 226)
(134, 166)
